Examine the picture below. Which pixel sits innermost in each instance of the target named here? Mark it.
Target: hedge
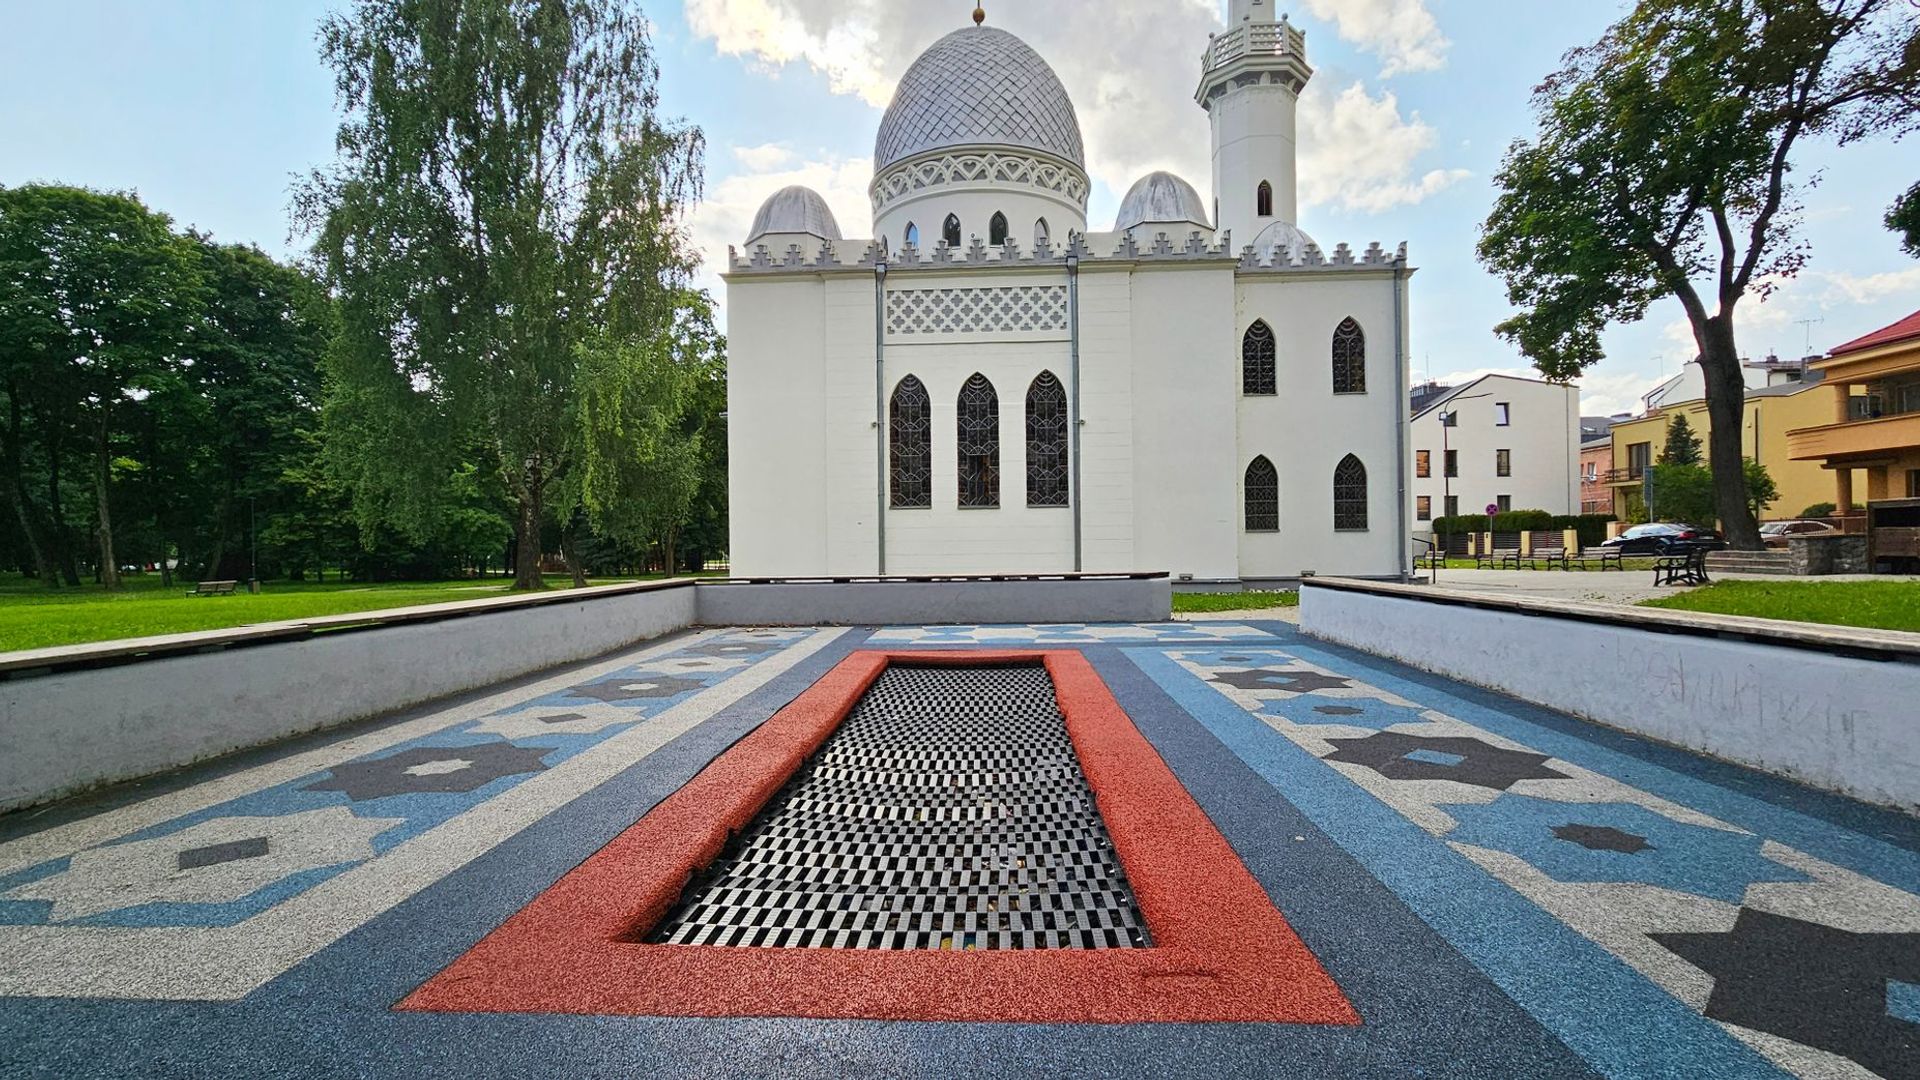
(1592, 528)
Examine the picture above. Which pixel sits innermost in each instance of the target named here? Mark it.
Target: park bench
(214, 588)
(1685, 568)
(1506, 552)
(1552, 555)
(1604, 556)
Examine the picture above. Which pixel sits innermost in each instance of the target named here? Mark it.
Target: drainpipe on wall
(1401, 375)
(880, 408)
(1073, 423)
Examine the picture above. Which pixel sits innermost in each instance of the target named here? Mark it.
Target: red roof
(1908, 327)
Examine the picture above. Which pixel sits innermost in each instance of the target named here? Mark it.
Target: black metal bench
(214, 588)
(1685, 568)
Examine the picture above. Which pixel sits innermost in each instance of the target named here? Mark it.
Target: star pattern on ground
(1391, 754)
(1686, 858)
(1292, 681)
(431, 769)
(1601, 838)
(636, 688)
(1831, 989)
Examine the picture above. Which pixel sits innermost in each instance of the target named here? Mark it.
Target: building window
(997, 229)
(1041, 233)
(1505, 503)
(979, 443)
(1423, 508)
(1502, 414)
(1257, 360)
(1263, 496)
(1453, 506)
(1350, 495)
(951, 231)
(1047, 475)
(1639, 457)
(913, 235)
(1453, 464)
(910, 437)
(1913, 484)
(1349, 358)
(1263, 200)
(1503, 463)
(1423, 464)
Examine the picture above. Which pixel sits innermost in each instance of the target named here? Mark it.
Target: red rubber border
(1221, 953)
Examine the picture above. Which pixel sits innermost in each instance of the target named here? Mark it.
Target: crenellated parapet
(1098, 250)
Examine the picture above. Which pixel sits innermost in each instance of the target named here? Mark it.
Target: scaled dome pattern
(979, 86)
(1158, 197)
(795, 210)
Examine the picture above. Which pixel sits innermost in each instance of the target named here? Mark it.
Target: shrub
(1819, 510)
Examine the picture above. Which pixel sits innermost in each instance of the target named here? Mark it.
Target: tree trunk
(668, 555)
(23, 506)
(217, 553)
(61, 538)
(526, 573)
(570, 547)
(103, 465)
(1726, 412)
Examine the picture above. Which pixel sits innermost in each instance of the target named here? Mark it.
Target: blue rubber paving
(1500, 891)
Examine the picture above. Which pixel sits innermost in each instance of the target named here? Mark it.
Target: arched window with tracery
(910, 441)
(997, 229)
(951, 231)
(913, 235)
(1349, 358)
(1263, 200)
(1350, 495)
(1047, 469)
(1257, 368)
(1262, 496)
(1041, 232)
(979, 443)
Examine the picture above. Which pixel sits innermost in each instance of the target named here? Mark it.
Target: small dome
(795, 210)
(979, 86)
(1161, 197)
(1281, 242)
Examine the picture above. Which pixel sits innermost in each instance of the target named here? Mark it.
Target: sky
(212, 109)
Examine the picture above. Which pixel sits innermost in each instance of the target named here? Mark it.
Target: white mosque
(988, 386)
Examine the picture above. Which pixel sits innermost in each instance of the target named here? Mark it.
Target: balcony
(1855, 438)
(1631, 476)
(1255, 39)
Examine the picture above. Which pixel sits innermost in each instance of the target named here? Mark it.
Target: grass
(1241, 601)
(1879, 605)
(35, 617)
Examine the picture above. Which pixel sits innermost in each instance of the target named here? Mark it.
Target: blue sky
(210, 109)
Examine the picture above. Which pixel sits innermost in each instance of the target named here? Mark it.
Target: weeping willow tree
(504, 229)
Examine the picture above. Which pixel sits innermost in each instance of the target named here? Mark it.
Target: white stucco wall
(1254, 139)
(1824, 717)
(1544, 436)
(975, 204)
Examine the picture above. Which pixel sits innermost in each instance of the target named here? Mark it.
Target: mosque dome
(795, 210)
(1281, 242)
(1161, 197)
(979, 86)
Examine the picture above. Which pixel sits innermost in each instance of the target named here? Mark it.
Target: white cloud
(1402, 33)
(1843, 288)
(765, 158)
(1358, 152)
(725, 215)
(1601, 394)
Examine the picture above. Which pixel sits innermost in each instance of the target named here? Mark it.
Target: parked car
(1665, 538)
(1777, 533)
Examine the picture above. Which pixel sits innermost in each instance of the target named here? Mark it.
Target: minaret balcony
(1262, 51)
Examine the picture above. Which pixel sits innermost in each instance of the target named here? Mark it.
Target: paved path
(1498, 891)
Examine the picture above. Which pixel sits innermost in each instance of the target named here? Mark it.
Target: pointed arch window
(1041, 232)
(1263, 200)
(1262, 496)
(997, 229)
(910, 439)
(912, 235)
(950, 232)
(1257, 368)
(1349, 358)
(1047, 471)
(979, 443)
(1350, 495)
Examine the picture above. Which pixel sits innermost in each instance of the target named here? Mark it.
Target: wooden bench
(1686, 568)
(1604, 556)
(1506, 551)
(1555, 555)
(214, 588)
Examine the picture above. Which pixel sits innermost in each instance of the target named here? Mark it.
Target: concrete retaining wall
(1828, 706)
(883, 603)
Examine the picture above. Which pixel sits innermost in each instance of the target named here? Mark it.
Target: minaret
(1250, 84)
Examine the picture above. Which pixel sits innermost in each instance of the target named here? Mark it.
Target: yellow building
(1771, 413)
(1871, 422)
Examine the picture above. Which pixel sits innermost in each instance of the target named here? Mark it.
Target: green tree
(507, 204)
(1683, 493)
(1663, 167)
(1762, 492)
(1904, 219)
(1683, 446)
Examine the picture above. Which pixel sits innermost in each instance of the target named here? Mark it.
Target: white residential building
(1496, 441)
(988, 386)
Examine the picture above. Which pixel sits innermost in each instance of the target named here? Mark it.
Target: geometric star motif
(636, 688)
(731, 648)
(578, 718)
(432, 768)
(1481, 764)
(206, 863)
(1294, 682)
(1630, 844)
(1817, 985)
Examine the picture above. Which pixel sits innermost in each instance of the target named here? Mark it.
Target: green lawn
(34, 617)
(1240, 601)
(1881, 605)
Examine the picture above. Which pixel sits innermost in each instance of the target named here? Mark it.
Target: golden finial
(979, 14)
